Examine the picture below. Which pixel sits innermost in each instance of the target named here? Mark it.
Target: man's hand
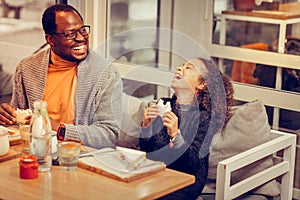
(7, 114)
(54, 125)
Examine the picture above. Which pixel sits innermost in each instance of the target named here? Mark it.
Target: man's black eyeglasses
(84, 30)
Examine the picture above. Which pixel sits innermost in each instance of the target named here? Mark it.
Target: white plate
(110, 158)
(111, 161)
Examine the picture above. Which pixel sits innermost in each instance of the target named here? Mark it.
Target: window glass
(21, 34)
(20, 29)
(128, 45)
(130, 41)
(261, 35)
(257, 36)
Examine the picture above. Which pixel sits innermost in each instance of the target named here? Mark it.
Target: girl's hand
(150, 114)
(170, 120)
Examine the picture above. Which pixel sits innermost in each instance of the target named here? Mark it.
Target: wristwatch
(61, 132)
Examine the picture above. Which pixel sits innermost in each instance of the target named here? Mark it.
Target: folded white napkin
(163, 108)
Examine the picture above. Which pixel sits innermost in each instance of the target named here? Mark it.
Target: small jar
(29, 167)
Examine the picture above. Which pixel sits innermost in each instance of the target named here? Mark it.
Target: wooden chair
(285, 142)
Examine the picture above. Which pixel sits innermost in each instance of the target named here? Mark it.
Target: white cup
(4, 142)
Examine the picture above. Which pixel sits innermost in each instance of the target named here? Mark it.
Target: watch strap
(61, 132)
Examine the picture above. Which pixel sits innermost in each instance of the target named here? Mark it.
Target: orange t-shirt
(60, 89)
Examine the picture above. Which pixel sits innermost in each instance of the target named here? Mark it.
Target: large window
(236, 44)
(260, 52)
(130, 40)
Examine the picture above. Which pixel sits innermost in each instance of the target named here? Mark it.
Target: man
(82, 90)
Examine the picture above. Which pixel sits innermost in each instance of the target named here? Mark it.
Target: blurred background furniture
(8, 8)
(13, 6)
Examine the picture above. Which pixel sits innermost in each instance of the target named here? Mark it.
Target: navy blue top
(184, 156)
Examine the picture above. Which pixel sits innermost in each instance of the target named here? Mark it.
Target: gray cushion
(247, 128)
(132, 117)
(243, 197)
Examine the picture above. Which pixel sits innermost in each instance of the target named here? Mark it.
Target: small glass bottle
(40, 136)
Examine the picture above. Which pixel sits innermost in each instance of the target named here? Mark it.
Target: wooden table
(83, 184)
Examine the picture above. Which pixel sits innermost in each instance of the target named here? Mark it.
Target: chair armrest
(285, 142)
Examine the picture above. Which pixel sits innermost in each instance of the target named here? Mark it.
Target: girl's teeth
(177, 76)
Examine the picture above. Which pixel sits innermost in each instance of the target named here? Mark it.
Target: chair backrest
(132, 107)
(146, 74)
(247, 128)
(286, 143)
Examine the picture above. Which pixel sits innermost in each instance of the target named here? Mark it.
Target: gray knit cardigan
(98, 102)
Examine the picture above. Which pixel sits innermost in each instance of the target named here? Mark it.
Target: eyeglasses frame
(75, 31)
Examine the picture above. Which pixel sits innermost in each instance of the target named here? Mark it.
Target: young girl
(181, 137)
